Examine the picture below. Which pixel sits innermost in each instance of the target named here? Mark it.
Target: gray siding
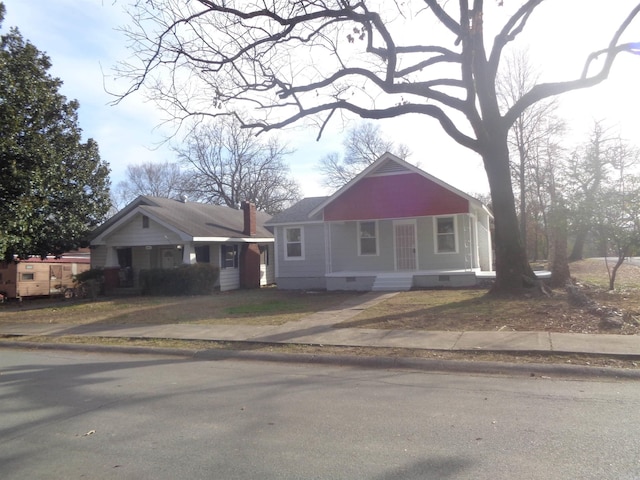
(428, 259)
(98, 256)
(229, 279)
(132, 234)
(314, 262)
(344, 248)
(230, 276)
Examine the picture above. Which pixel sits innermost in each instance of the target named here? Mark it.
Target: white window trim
(286, 243)
(236, 258)
(455, 234)
(360, 254)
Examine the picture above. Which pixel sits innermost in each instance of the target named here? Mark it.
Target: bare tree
(227, 165)
(154, 179)
(308, 59)
(363, 145)
(618, 211)
(530, 137)
(587, 172)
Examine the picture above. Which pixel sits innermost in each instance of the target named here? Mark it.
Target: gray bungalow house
(393, 227)
(154, 232)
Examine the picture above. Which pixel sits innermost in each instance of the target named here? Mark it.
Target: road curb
(533, 370)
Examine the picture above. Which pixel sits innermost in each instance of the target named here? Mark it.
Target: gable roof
(389, 164)
(191, 220)
(408, 178)
(299, 212)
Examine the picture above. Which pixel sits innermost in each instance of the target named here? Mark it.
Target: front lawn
(473, 309)
(267, 306)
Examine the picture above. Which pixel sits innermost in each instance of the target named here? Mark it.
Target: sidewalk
(318, 329)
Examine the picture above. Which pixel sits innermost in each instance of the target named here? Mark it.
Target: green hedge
(198, 279)
(93, 274)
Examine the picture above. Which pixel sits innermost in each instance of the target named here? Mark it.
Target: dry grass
(455, 310)
(248, 307)
(465, 309)
(473, 309)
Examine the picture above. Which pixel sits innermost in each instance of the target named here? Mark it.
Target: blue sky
(82, 40)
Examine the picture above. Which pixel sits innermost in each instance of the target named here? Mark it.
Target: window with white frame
(228, 256)
(446, 235)
(294, 249)
(368, 238)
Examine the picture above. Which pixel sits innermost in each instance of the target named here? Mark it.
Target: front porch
(399, 281)
(406, 280)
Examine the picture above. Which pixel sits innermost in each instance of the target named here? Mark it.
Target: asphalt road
(68, 415)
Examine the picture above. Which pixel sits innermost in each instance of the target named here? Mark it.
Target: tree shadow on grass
(478, 313)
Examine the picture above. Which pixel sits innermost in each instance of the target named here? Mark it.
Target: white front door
(405, 245)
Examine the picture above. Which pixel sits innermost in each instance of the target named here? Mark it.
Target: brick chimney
(249, 210)
(250, 253)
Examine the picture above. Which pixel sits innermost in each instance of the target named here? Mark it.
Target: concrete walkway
(319, 329)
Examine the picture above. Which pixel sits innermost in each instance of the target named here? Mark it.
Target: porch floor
(403, 273)
(404, 280)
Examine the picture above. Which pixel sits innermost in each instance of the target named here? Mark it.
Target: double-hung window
(294, 243)
(368, 238)
(446, 235)
(228, 256)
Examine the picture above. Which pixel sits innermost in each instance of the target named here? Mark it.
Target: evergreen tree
(53, 187)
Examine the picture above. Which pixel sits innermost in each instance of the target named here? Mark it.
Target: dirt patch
(618, 312)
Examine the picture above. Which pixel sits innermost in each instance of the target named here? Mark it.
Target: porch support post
(188, 254)
(111, 269)
(112, 257)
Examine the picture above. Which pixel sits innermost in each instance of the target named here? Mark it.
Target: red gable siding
(395, 196)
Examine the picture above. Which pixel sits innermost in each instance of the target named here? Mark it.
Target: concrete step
(392, 283)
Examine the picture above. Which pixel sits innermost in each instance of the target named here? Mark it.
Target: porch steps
(392, 283)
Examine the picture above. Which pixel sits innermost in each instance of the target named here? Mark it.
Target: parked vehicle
(36, 277)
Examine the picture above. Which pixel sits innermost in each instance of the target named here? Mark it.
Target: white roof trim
(234, 239)
(302, 222)
(384, 157)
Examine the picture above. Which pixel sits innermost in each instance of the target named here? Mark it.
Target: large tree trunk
(513, 272)
(577, 251)
(558, 262)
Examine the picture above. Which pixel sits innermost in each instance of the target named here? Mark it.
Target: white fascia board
(305, 222)
(234, 239)
(486, 209)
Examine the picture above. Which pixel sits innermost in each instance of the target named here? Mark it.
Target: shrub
(90, 283)
(198, 279)
(93, 274)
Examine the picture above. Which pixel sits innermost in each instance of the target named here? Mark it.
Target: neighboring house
(37, 276)
(154, 232)
(392, 227)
